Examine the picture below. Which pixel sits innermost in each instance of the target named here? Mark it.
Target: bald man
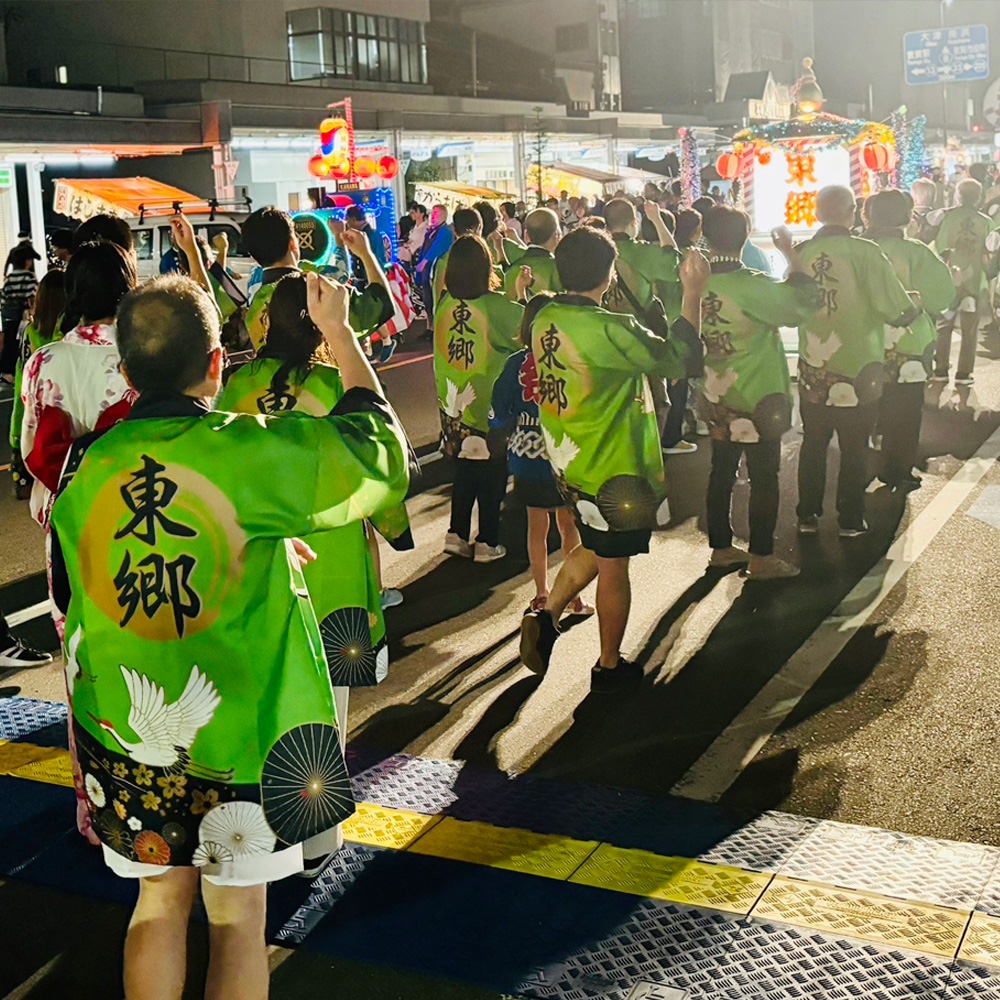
(841, 353)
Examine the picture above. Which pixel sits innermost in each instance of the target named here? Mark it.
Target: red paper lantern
(876, 156)
(728, 166)
(318, 167)
(388, 167)
(364, 166)
(764, 157)
(339, 167)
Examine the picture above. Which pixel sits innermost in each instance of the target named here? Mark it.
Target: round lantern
(876, 156)
(339, 167)
(728, 166)
(364, 166)
(388, 167)
(764, 157)
(318, 167)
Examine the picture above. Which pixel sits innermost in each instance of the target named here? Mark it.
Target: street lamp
(942, 7)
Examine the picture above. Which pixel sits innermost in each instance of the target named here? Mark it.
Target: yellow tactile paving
(982, 940)
(935, 930)
(53, 767)
(15, 755)
(679, 880)
(378, 826)
(900, 923)
(500, 847)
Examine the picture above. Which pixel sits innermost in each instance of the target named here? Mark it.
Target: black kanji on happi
(821, 269)
(551, 385)
(461, 345)
(154, 582)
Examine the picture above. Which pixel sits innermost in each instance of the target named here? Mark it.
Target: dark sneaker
(17, 656)
(538, 636)
(625, 677)
(388, 350)
(809, 525)
(853, 530)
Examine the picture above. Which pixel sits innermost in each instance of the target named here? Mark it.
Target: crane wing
(193, 710)
(148, 717)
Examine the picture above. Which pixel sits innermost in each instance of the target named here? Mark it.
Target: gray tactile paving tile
(328, 887)
(894, 864)
(973, 982)
(764, 844)
(19, 717)
(781, 963)
(659, 943)
(414, 783)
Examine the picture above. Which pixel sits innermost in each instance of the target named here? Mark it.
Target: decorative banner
(911, 159)
(690, 167)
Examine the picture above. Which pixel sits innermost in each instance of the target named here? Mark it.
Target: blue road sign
(947, 55)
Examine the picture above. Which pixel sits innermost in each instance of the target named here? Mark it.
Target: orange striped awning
(81, 198)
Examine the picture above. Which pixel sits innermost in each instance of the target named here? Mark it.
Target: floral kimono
(347, 604)
(842, 346)
(202, 707)
(31, 341)
(472, 340)
(71, 387)
(909, 350)
(596, 409)
(747, 392)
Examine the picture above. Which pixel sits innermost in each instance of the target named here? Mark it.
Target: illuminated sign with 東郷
(785, 187)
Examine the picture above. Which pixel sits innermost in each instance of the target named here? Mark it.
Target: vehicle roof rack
(167, 206)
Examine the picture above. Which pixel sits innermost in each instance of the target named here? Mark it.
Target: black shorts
(614, 544)
(541, 493)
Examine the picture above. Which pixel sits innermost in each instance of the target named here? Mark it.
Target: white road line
(26, 614)
(716, 770)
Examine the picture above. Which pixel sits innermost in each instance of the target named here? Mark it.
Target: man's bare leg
(156, 944)
(237, 965)
(614, 601)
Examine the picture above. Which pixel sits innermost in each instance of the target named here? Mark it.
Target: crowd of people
(212, 532)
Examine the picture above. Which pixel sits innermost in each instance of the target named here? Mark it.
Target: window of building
(572, 37)
(324, 42)
(770, 45)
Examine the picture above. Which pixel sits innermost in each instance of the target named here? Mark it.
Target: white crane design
(166, 731)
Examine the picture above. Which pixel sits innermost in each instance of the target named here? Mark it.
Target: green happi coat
(544, 274)
(909, 350)
(472, 340)
(368, 309)
(596, 408)
(202, 707)
(842, 346)
(441, 266)
(650, 271)
(961, 241)
(347, 604)
(747, 392)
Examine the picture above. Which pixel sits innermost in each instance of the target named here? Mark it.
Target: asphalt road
(895, 730)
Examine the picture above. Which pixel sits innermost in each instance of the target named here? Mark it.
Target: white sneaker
(701, 429)
(455, 546)
(17, 656)
(489, 553)
(681, 448)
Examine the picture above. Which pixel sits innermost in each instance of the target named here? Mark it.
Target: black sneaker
(17, 656)
(809, 525)
(538, 636)
(625, 677)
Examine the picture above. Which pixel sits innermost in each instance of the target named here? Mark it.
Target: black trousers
(901, 411)
(968, 324)
(673, 426)
(11, 345)
(763, 461)
(484, 482)
(853, 426)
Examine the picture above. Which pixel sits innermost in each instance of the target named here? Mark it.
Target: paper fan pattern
(304, 784)
(627, 503)
(347, 642)
(239, 827)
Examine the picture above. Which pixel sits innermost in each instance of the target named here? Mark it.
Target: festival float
(354, 175)
(780, 166)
